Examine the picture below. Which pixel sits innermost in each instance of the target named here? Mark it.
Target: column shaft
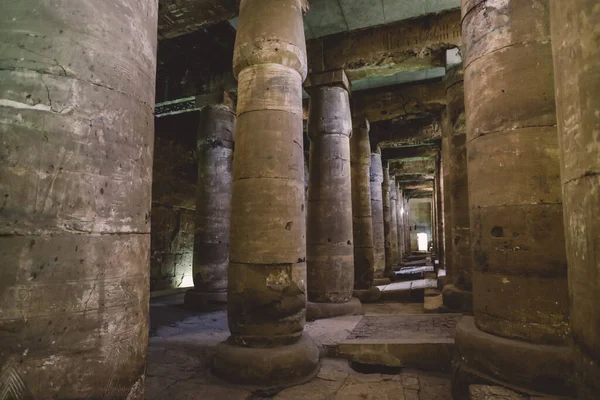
(447, 195)
(376, 173)
(267, 257)
(399, 224)
(77, 90)
(390, 263)
(394, 221)
(214, 152)
(519, 276)
(576, 49)
(362, 225)
(330, 253)
(457, 294)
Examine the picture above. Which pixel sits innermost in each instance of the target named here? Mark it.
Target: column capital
(336, 77)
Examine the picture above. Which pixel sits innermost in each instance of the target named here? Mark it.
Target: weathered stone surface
(76, 90)
(456, 169)
(376, 179)
(407, 101)
(369, 295)
(174, 181)
(213, 202)
(517, 227)
(316, 311)
(394, 220)
(362, 222)
(390, 260)
(575, 45)
(482, 357)
(178, 17)
(405, 45)
(172, 242)
(267, 270)
(457, 299)
(330, 253)
(487, 392)
(280, 366)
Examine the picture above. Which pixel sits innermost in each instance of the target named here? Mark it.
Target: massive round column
(362, 225)
(399, 223)
(446, 196)
(396, 256)
(267, 258)
(457, 293)
(390, 261)
(329, 252)
(77, 95)
(520, 295)
(214, 151)
(576, 48)
(376, 174)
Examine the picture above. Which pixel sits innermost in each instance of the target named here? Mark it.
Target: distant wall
(175, 175)
(419, 218)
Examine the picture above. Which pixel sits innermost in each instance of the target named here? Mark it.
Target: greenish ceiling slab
(325, 17)
(397, 10)
(362, 13)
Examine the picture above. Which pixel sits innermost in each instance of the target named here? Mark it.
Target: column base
(381, 281)
(316, 311)
(588, 375)
(457, 300)
(196, 299)
(525, 367)
(276, 367)
(370, 295)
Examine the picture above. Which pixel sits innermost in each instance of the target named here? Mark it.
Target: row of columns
(531, 151)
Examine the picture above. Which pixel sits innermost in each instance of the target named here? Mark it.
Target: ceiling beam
(393, 133)
(384, 50)
(178, 17)
(429, 150)
(425, 99)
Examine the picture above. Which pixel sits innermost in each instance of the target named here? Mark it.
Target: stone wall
(175, 174)
(419, 216)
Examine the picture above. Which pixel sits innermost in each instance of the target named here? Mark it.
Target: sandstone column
(520, 298)
(362, 222)
(376, 173)
(440, 214)
(390, 262)
(576, 47)
(399, 223)
(77, 95)
(457, 293)
(329, 252)
(267, 258)
(214, 151)
(447, 188)
(396, 256)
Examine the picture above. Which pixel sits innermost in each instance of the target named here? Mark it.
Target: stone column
(329, 249)
(390, 262)
(266, 291)
(214, 151)
(362, 222)
(457, 294)
(520, 297)
(77, 95)
(376, 173)
(576, 48)
(446, 178)
(440, 216)
(407, 227)
(396, 256)
(399, 223)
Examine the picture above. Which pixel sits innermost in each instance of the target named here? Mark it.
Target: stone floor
(181, 347)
